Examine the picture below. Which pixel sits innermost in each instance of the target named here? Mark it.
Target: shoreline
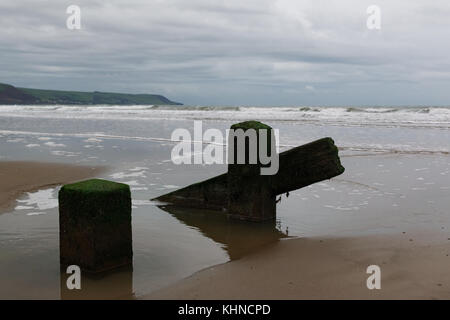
(19, 177)
(412, 267)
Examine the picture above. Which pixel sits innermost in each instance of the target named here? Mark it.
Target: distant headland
(24, 96)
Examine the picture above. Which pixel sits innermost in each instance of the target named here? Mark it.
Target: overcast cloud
(233, 52)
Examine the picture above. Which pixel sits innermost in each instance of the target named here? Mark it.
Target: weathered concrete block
(250, 194)
(95, 225)
(210, 194)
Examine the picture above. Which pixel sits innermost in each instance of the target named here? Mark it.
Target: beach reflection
(117, 284)
(236, 237)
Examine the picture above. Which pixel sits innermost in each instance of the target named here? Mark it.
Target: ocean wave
(372, 110)
(420, 117)
(352, 151)
(308, 109)
(195, 108)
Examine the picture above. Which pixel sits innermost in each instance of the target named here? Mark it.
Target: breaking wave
(435, 117)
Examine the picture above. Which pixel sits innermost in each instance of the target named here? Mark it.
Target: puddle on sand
(30, 250)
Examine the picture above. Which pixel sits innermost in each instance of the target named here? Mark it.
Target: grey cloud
(254, 52)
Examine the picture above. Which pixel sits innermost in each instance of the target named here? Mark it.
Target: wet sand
(412, 267)
(19, 177)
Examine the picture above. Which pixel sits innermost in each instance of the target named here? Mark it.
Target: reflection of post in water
(238, 237)
(117, 284)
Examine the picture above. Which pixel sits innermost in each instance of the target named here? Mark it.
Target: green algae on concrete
(95, 225)
(252, 124)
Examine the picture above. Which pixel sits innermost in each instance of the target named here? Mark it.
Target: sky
(234, 52)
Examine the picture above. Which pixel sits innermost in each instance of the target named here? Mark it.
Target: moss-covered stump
(250, 194)
(95, 225)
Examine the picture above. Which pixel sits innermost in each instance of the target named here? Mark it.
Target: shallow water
(396, 180)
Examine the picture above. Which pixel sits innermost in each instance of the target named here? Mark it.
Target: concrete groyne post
(245, 193)
(95, 225)
(250, 195)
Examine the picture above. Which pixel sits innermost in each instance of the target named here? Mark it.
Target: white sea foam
(15, 140)
(65, 153)
(39, 200)
(122, 175)
(410, 117)
(349, 116)
(138, 168)
(133, 183)
(36, 213)
(93, 140)
(55, 145)
(367, 147)
(23, 208)
(170, 186)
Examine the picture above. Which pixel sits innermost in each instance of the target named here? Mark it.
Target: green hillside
(13, 95)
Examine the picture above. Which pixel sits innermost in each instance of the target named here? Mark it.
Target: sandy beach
(19, 177)
(389, 208)
(412, 267)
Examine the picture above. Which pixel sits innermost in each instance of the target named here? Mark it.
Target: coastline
(412, 267)
(18, 177)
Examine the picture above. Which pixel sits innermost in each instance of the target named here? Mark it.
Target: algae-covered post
(95, 225)
(249, 192)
